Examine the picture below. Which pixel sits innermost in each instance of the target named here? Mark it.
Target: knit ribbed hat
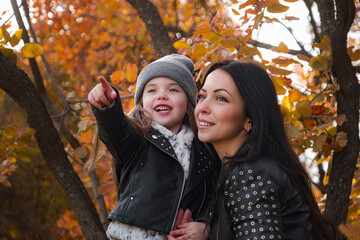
(176, 67)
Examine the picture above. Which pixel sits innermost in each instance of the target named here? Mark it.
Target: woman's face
(220, 113)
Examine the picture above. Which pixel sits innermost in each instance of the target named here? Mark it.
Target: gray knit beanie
(176, 67)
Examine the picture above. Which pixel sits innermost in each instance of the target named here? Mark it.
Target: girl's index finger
(103, 82)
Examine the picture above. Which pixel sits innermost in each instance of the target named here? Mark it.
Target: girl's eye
(221, 99)
(173, 90)
(151, 90)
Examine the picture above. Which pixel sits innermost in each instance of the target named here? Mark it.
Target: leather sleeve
(253, 204)
(116, 132)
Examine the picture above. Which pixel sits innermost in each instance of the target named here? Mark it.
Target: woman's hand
(191, 231)
(102, 95)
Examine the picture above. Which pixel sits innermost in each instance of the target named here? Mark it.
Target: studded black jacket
(151, 180)
(260, 202)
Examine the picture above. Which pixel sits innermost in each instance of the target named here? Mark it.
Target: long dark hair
(268, 135)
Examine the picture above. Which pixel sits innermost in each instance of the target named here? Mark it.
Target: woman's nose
(202, 107)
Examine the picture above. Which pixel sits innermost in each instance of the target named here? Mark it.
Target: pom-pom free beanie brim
(176, 67)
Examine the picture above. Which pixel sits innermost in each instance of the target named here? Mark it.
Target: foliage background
(83, 39)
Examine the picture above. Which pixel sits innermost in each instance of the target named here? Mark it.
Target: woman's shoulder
(262, 166)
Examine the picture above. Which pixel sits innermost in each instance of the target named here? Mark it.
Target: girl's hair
(268, 135)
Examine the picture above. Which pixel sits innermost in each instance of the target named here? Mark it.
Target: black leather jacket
(151, 180)
(260, 202)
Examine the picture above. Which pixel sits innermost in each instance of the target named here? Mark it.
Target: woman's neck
(229, 148)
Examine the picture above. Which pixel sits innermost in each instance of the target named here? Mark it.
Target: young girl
(159, 164)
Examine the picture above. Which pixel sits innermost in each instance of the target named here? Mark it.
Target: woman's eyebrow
(221, 89)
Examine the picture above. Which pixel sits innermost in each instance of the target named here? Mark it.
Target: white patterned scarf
(181, 143)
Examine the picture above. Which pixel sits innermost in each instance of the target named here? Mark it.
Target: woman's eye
(200, 97)
(221, 99)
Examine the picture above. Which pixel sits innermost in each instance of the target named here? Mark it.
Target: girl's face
(220, 113)
(166, 102)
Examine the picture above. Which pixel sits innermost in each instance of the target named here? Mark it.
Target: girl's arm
(115, 129)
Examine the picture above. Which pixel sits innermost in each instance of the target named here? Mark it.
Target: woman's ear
(248, 125)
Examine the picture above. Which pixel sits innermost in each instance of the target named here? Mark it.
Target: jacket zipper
(183, 182)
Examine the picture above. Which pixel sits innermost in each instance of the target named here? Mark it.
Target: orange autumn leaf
(131, 72)
(117, 77)
(309, 123)
(294, 95)
(86, 136)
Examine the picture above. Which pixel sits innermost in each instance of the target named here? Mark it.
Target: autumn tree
(117, 38)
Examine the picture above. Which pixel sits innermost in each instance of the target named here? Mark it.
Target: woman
(264, 192)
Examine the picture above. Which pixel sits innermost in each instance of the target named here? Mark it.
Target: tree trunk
(151, 17)
(17, 84)
(344, 162)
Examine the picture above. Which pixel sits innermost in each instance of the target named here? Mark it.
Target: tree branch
(309, 4)
(269, 46)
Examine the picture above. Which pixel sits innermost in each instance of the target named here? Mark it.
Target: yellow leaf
(15, 39)
(294, 95)
(2, 94)
(319, 63)
(351, 232)
(12, 159)
(291, 1)
(286, 105)
(292, 131)
(250, 51)
(324, 159)
(229, 43)
(303, 108)
(198, 51)
(181, 44)
(279, 71)
(131, 72)
(283, 48)
(324, 44)
(31, 50)
(228, 31)
(10, 131)
(202, 31)
(280, 90)
(277, 8)
(5, 34)
(116, 77)
(319, 142)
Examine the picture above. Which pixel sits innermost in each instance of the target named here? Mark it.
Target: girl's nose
(162, 95)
